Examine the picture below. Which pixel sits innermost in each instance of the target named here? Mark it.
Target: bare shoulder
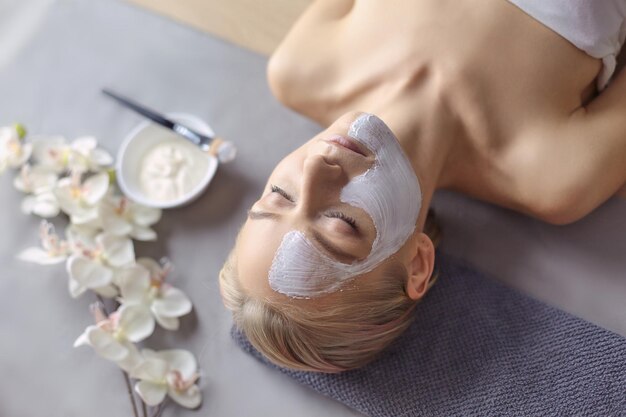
(565, 169)
(301, 66)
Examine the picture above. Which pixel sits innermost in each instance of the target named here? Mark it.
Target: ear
(420, 266)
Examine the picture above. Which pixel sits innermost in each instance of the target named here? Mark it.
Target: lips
(347, 143)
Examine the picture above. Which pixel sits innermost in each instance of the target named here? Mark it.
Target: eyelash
(282, 192)
(332, 214)
(344, 217)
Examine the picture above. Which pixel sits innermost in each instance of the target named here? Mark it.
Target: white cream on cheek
(389, 192)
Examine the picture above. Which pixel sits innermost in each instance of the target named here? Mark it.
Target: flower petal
(145, 216)
(23, 156)
(88, 273)
(151, 265)
(172, 302)
(168, 323)
(134, 283)
(118, 250)
(149, 354)
(132, 359)
(152, 394)
(84, 215)
(95, 187)
(151, 369)
(115, 225)
(82, 339)
(43, 178)
(107, 291)
(136, 322)
(20, 185)
(8, 134)
(65, 196)
(90, 228)
(100, 157)
(50, 151)
(27, 204)
(189, 398)
(143, 233)
(39, 256)
(181, 360)
(35, 178)
(76, 161)
(112, 222)
(46, 205)
(75, 288)
(80, 235)
(106, 345)
(84, 144)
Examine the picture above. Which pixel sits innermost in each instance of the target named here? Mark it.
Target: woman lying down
(511, 102)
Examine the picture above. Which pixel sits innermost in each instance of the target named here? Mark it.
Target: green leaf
(21, 130)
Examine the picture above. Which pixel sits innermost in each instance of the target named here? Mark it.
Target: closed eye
(332, 214)
(276, 189)
(344, 217)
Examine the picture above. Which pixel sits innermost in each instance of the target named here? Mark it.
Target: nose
(321, 179)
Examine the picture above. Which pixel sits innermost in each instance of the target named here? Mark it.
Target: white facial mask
(389, 192)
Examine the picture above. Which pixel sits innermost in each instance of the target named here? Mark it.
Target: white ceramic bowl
(140, 140)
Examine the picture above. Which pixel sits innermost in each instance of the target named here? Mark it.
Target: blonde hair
(337, 337)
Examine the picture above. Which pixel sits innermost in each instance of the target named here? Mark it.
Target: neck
(427, 136)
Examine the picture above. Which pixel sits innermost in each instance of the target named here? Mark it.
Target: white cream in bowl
(159, 168)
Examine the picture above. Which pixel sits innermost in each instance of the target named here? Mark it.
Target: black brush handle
(144, 111)
(194, 136)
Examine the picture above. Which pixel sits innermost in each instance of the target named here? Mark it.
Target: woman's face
(303, 194)
(325, 217)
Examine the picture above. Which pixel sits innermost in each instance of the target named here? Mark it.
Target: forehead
(292, 162)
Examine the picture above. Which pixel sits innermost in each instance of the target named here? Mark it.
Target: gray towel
(478, 348)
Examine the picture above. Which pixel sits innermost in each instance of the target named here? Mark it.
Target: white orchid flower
(86, 155)
(81, 155)
(52, 153)
(172, 372)
(93, 265)
(144, 284)
(80, 237)
(113, 337)
(33, 178)
(121, 217)
(40, 182)
(53, 250)
(82, 243)
(13, 152)
(43, 204)
(79, 199)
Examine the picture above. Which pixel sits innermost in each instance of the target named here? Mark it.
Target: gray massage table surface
(479, 348)
(57, 55)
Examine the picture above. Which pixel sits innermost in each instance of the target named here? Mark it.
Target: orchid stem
(126, 378)
(144, 409)
(160, 409)
(130, 394)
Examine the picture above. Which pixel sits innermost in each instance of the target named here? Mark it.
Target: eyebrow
(318, 237)
(259, 215)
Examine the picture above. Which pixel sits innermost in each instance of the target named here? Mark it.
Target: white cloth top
(596, 26)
